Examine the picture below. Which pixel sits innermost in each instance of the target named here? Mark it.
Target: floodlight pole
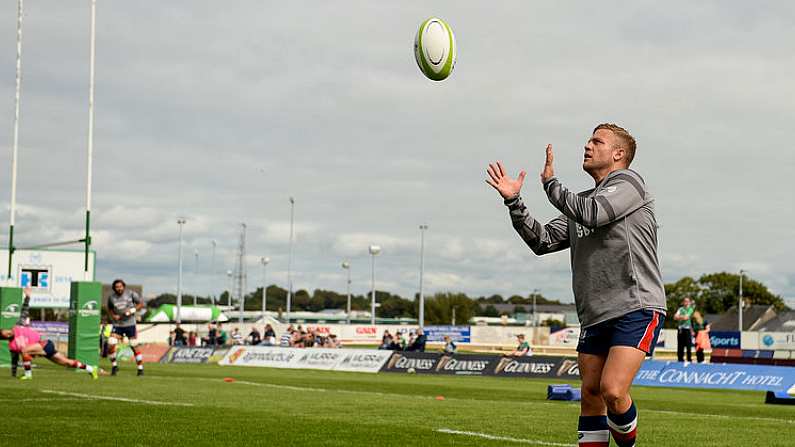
(15, 146)
(740, 304)
(347, 266)
(92, 54)
(374, 250)
(290, 261)
(212, 271)
(195, 275)
(180, 222)
(422, 267)
(229, 293)
(264, 261)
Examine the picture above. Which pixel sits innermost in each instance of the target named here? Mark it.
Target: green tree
(715, 293)
(439, 308)
(489, 311)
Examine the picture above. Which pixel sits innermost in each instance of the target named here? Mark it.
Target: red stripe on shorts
(645, 342)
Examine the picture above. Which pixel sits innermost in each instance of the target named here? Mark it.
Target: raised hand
(27, 291)
(506, 186)
(548, 172)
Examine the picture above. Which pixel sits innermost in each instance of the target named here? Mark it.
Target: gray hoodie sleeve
(619, 195)
(542, 239)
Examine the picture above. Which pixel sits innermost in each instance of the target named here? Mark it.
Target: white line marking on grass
(282, 387)
(117, 399)
(723, 416)
(464, 399)
(500, 438)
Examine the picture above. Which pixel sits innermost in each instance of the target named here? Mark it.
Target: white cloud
(221, 124)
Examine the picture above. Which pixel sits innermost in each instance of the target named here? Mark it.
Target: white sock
(89, 369)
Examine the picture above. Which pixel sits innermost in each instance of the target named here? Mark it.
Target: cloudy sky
(220, 111)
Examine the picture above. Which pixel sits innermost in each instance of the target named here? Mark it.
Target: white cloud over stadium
(219, 114)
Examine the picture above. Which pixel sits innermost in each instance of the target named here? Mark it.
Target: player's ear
(619, 153)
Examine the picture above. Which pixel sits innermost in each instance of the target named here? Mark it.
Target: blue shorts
(49, 349)
(638, 329)
(127, 331)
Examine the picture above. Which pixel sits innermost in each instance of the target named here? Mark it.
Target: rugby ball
(435, 49)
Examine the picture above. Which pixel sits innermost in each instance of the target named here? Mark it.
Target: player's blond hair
(626, 141)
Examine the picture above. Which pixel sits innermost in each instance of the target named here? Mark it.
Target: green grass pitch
(191, 405)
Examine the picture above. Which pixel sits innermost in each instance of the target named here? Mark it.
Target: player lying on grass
(27, 343)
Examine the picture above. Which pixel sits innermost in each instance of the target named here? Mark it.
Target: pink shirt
(23, 336)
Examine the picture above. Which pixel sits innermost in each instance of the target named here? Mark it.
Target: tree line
(713, 293)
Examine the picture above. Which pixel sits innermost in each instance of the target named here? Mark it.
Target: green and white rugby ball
(435, 49)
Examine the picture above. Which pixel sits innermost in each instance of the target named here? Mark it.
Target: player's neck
(599, 175)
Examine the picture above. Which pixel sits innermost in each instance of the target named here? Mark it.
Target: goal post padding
(85, 308)
(10, 307)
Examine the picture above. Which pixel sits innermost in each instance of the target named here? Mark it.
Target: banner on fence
(189, 355)
(419, 362)
(483, 365)
(459, 334)
(724, 339)
(777, 340)
(358, 360)
(731, 376)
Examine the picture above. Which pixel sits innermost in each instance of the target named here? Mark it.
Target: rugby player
(122, 307)
(612, 234)
(27, 343)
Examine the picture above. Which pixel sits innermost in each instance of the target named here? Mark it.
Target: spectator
(684, 331)
(412, 336)
(212, 334)
(171, 338)
(308, 340)
(287, 338)
(191, 338)
(237, 337)
(418, 344)
(701, 328)
(269, 336)
(221, 336)
(297, 339)
(179, 336)
(332, 342)
(386, 340)
(395, 344)
(523, 349)
(254, 337)
(449, 345)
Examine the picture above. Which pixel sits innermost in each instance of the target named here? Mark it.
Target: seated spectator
(395, 343)
(237, 337)
(221, 336)
(332, 342)
(269, 336)
(418, 344)
(297, 339)
(386, 340)
(179, 336)
(192, 338)
(254, 337)
(308, 340)
(449, 345)
(212, 334)
(287, 338)
(523, 349)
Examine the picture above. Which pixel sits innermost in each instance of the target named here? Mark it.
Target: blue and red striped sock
(592, 431)
(624, 427)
